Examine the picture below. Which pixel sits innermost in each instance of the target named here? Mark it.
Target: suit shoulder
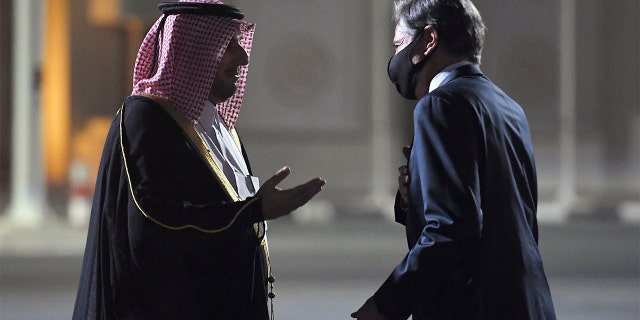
(467, 85)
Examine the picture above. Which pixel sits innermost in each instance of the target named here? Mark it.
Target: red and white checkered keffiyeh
(190, 49)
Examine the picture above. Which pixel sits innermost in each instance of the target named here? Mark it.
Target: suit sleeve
(445, 181)
(400, 211)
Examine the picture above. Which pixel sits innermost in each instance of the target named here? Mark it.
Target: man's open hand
(277, 202)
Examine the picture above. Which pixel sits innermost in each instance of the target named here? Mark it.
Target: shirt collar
(439, 78)
(209, 115)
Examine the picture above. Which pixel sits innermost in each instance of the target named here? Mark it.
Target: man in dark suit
(468, 194)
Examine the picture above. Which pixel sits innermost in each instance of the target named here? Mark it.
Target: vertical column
(561, 207)
(381, 144)
(629, 211)
(56, 90)
(566, 192)
(28, 198)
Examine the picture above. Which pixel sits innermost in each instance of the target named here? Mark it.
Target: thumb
(278, 177)
(406, 150)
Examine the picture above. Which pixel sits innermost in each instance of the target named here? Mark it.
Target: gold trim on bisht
(200, 145)
(192, 134)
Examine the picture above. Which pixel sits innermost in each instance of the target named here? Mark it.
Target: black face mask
(402, 72)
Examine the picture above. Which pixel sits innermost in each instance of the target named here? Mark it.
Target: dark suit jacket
(154, 256)
(471, 224)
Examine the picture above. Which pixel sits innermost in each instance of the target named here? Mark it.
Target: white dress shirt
(437, 80)
(226, 152)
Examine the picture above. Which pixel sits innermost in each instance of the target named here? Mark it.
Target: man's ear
(430, 35)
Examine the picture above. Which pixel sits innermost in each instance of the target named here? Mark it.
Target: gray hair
(458, 23)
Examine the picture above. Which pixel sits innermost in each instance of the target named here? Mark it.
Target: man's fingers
(316, 183)
(301, 194)
(406, 150)
(308, 190)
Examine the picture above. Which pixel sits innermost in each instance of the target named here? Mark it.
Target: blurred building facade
(318, 98)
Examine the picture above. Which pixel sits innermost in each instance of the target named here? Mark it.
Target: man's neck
(438, 62)
(442, 75)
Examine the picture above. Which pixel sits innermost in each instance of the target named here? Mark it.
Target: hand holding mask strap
(195, 8)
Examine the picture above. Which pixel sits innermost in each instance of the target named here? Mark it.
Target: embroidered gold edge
(146, 215)
(234, 134)
(195, 138)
